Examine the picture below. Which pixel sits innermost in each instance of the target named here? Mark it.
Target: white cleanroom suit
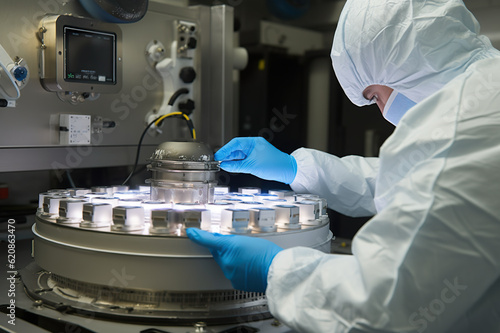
(429, 260)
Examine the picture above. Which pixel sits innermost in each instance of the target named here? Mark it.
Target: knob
(20, 73)
(186, 107)
(187, 74)
(192, 42)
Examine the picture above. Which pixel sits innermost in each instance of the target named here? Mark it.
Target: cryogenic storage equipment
(122, 254)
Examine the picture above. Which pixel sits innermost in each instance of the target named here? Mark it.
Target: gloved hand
(244, 260)
(257, 157)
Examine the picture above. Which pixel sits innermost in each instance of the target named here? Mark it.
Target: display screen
(90, 56)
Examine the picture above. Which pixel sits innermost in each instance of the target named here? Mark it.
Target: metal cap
(182, 155)
(183, 171)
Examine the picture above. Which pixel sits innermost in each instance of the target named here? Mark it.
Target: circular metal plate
(144, 260)
(134, 305)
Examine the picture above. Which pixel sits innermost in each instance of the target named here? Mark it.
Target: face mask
(396, 107)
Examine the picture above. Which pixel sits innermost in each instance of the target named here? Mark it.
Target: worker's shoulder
(478, 95)
(482, 79)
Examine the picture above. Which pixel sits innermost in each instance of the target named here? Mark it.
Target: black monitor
(80, 55)
(90, 56)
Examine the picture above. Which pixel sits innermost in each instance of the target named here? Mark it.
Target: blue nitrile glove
(244, 260)
(257, 157)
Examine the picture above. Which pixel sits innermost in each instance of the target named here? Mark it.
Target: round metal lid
(185, 151)
(182, 155)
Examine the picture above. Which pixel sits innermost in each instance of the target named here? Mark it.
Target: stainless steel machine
(77, 92)
(121, 255)
(81, 90)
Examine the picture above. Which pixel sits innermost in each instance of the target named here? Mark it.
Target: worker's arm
(422, 264)
(347, 183)
(428, 261)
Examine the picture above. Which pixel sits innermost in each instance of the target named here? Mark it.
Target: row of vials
(122, 210)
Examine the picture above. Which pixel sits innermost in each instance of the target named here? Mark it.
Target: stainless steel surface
(183, 172)
(186, 151)
(153, 261)
(118, 303)
(29, 135)
(219, 126)
(64, 318)
(150, 275)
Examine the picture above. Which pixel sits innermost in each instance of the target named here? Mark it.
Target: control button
(186, 107)
(191, 44)
(20, 73)
(187, 74)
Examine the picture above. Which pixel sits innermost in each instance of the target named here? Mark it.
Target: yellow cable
(175, 114)
(168, 115)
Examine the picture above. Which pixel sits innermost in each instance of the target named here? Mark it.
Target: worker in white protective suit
(429, 259)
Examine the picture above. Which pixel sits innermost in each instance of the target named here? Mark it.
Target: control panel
(79, 57)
